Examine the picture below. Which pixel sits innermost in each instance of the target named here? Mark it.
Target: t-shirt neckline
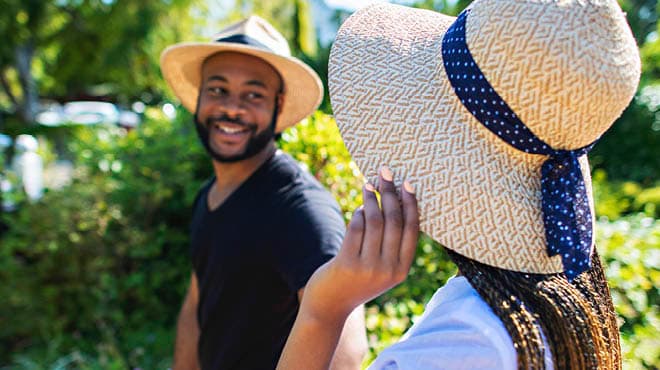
(249, 181)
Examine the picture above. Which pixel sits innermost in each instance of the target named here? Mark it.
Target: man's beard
(256, 143)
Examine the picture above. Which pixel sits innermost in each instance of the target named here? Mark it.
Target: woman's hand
(376, 255)
(378, 249)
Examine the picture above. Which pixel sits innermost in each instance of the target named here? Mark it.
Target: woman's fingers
(373, 230)
(378, 248)
(392, 218)
(354, 235)
(385, 240)
(410, 232)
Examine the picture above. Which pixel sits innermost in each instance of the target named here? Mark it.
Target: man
(261, 226)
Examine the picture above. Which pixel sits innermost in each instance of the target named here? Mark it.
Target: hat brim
(181, 65)
(395, 106)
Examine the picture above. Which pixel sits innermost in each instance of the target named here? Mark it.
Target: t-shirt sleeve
(312, 233)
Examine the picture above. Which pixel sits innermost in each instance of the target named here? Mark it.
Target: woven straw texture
(479, 196)
(566, 68)
(181, 65)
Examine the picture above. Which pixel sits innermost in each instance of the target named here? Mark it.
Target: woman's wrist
(329, 316)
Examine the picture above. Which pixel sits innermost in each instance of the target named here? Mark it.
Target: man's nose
(233, 106)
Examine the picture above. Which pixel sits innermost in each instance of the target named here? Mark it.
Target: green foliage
(99, 267)
(316, 144)
(642, 15)
(615, 199)
(444, 6)
(72, 49)
(631, 249)
(630, 149)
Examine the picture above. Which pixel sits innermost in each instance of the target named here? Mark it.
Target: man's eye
(254, 96)
(217, 90)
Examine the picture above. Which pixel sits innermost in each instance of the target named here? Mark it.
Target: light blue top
(458, 330)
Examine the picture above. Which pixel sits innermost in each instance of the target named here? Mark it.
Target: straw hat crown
(565, 69)
(568, 68)
(258, 29)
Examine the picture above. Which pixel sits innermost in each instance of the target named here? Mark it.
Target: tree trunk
(27, 109)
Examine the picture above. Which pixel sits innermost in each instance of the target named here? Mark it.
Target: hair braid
(578, 320)
(593, 285)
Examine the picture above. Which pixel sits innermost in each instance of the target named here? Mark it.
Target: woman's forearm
(311, 343)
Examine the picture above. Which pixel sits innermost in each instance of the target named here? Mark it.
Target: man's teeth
(230, 130)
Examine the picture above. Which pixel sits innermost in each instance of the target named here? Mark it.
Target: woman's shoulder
(458, 330)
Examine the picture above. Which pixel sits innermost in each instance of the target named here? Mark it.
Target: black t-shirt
(252, 254)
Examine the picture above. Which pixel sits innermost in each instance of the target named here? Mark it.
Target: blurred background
(99, 166)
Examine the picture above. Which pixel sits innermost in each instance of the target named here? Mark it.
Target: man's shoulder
(283, 164)
(298, 194)
(288, 175)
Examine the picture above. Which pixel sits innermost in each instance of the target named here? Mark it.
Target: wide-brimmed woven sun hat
(181, 65)
(490, 115)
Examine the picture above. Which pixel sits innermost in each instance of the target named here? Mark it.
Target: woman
(490, 115)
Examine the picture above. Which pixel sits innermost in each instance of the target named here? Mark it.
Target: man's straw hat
(181, 65)
(560, 71)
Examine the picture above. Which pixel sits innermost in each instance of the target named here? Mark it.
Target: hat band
(565, 204)
(245, 40)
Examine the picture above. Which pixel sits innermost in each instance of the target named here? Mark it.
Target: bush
(617, 198)
(316, 144)
(99, 268)
(629, 150)
(631, 249)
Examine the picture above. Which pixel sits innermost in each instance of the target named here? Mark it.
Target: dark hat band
(245, 40)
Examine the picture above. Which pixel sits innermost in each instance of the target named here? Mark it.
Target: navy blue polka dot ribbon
(565, 204)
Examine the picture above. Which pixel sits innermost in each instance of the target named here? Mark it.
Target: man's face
(236, 105)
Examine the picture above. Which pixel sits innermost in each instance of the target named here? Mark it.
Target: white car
(91, 112)
(86, 113)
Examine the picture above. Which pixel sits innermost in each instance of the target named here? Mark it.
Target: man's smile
(230, 128)
(228, 132)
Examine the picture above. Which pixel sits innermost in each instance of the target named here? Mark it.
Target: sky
(351, 4)
(321, 10)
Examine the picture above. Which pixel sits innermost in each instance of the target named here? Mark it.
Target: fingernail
(409, 188)
(386, 173)
(369, 187)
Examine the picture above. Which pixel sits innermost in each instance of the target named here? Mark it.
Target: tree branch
(7, 88)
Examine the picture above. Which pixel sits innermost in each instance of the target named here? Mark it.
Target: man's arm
(352, 346)
(187, 331)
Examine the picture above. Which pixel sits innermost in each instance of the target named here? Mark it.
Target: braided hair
(577, 318)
